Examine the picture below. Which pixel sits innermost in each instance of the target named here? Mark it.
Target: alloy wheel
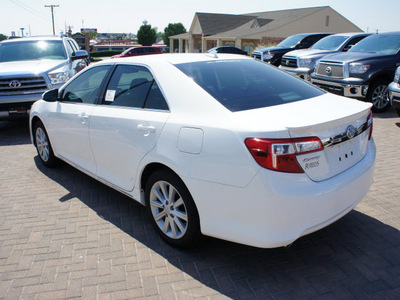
(168, 209)
(42, 144)
(380, 96)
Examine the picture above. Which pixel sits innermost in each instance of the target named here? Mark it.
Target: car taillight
(280, 154)
(370, 124)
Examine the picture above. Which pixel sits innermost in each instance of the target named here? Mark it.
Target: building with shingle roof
(247, 31)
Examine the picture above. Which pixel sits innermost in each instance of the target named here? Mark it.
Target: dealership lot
(65, 235)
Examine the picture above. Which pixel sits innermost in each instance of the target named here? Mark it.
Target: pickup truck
(273, 55)
(364, 72)
(394, 91)
(31, 66)
(302, 62)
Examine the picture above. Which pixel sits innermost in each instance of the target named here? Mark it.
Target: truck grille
(257, 56)
(330, 69)
(290, 62)
(22, 85)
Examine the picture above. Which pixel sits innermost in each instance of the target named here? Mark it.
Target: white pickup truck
(30, 66)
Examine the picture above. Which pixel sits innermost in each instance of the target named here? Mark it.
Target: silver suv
(31, 66)
(302, 62)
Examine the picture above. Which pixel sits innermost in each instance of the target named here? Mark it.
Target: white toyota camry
(219, 145)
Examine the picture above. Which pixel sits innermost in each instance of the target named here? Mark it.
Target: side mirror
(347, 48)
(80, 54)
(50, 96)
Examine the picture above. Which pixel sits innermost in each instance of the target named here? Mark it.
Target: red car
(141, 50)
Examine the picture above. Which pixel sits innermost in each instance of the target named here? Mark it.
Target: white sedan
(217, 145)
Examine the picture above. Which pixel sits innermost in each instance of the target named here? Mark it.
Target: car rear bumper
(347, 89)
(275, 209)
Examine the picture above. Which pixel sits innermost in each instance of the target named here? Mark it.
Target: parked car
(364, 72)
(141, 50)
(302, 62)
(394, 91)
(273, 55)
(228, 49)
(31, 66)
(227, 147)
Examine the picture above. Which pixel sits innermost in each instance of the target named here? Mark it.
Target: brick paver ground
(64, 235)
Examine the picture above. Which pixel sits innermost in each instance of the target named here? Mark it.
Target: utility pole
(52, 15)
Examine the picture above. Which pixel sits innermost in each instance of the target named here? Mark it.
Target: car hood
(273, 49)
(30, 66)
(309, 52)
(348, 57)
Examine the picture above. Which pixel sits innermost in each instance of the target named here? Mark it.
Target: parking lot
(65, 235)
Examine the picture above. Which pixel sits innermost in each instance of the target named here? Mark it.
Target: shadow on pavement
(14, 133)
(354, 258)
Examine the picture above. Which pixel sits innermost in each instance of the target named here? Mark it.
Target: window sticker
(110, 95)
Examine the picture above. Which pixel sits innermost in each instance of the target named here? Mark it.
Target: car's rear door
(127, 124)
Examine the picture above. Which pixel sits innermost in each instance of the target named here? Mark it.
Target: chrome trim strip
(343, 137)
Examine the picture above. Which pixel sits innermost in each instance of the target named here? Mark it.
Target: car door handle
(146, 128)
(84, 117)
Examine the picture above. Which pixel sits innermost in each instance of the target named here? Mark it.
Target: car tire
(43, 145)
(378, 95)
(171, 209)
(398, 111)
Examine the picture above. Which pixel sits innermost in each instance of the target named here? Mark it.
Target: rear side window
(247, 84)
(134, 86)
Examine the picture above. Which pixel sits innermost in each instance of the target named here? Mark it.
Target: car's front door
(69, 122)
(127, 125)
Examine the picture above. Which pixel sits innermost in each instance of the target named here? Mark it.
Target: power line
(29, 9)
(52, 15)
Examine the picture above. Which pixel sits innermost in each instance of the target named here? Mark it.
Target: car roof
(174, 58)
(351, 34)
(35, 38)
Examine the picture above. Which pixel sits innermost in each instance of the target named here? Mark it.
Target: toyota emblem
(14, 84)
(328, 70)
(351, 132)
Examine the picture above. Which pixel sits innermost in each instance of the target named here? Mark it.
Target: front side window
(32, 50)
(134, 86)
(86, 87)
(247, 84)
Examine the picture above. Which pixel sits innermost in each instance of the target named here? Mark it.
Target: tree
(146, 35)
(2, 37)
(173, 29)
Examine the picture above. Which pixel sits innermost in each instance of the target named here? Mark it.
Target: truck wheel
(378, 95)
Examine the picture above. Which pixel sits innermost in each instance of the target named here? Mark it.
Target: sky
(119, 16)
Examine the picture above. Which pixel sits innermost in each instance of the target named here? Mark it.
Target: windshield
(126, 51)
(32, 50)
(332, 42)
(291, 41)
(379, 44)
(247, 84)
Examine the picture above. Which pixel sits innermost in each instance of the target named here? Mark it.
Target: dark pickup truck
(273, 55)
(364, 72)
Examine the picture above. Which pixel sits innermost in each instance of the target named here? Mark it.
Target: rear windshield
(379, 44)
(247, 84)
(32, 50)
